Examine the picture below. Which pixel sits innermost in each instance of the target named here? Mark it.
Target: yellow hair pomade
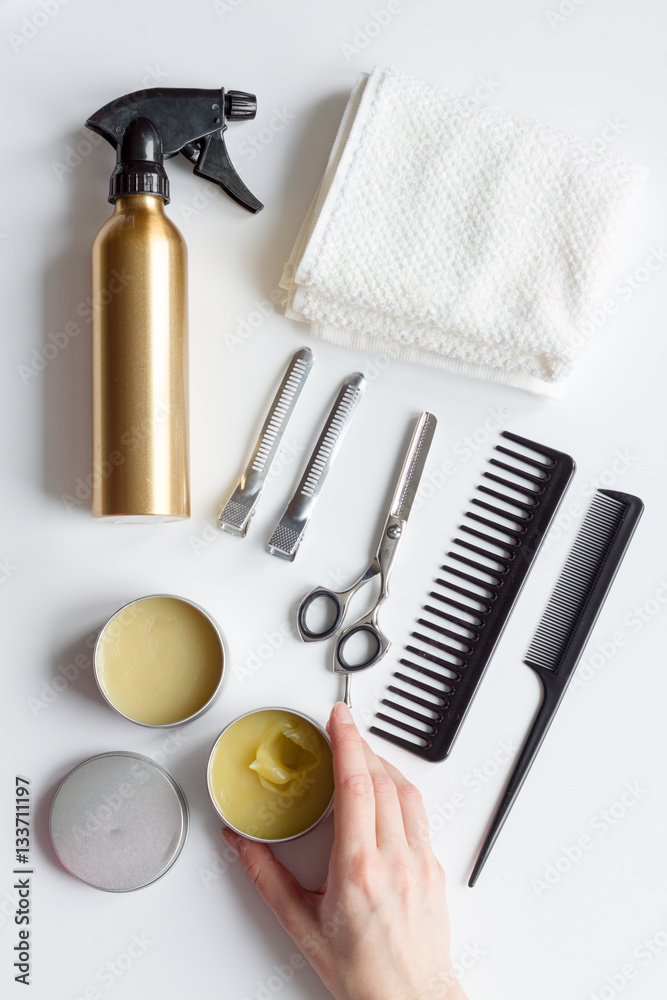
(270, 774)
(160, 661)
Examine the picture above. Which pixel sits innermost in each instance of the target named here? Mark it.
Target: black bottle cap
(139, 168)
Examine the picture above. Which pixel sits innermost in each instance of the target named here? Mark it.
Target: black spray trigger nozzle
(191, 122)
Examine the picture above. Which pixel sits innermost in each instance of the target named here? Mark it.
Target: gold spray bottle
(140, 315)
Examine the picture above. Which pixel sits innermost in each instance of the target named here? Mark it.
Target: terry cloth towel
(458, 235)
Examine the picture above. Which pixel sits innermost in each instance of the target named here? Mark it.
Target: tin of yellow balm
(160, 661)
(270, 774)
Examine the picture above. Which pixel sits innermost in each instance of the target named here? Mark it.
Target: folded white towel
(457, 235)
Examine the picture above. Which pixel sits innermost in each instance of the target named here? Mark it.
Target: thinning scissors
(381, 564)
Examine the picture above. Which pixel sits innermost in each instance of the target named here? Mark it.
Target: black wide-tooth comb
(484, 578)
(565, 627)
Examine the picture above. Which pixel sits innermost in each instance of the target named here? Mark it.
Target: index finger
(354, 800)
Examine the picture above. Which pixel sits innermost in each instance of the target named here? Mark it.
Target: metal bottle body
(140, 365)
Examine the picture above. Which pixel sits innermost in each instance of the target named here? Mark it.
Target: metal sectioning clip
(291, 528)
(239, 509)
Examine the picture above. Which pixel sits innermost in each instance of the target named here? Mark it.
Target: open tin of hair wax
(160, 661)
(270, 774)
(118, 821)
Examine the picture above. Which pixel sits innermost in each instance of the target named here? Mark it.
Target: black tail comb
(566, 626)
(487, 568)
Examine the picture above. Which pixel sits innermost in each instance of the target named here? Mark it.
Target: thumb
(276, 885)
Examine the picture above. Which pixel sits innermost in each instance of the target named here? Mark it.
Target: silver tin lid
(118, 821)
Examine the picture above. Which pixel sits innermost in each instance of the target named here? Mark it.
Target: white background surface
(64, 574)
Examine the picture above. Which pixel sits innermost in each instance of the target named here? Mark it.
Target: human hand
(378, 928)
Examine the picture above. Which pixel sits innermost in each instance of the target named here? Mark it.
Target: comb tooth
(447, 632)
(502, 560)
(521, 504)
(431, 723)
(421, 749)
(440, 709)
(442, 646)
(512, 532)
(507, 547)
(421, 684)
(538, 480)
(486, 602)
(490, 587)
(478, 615)
(404, 725)
(514, 486)
(507, 514)
(542, 466)
(432, 658)
(497, 574)
(475, 629)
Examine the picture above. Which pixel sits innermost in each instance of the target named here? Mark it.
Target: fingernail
(342, 713)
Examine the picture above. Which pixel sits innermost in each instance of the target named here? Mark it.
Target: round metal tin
(118, 821)
(223, 674)
(248, 836)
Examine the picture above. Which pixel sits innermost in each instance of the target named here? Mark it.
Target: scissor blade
(413, 466)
